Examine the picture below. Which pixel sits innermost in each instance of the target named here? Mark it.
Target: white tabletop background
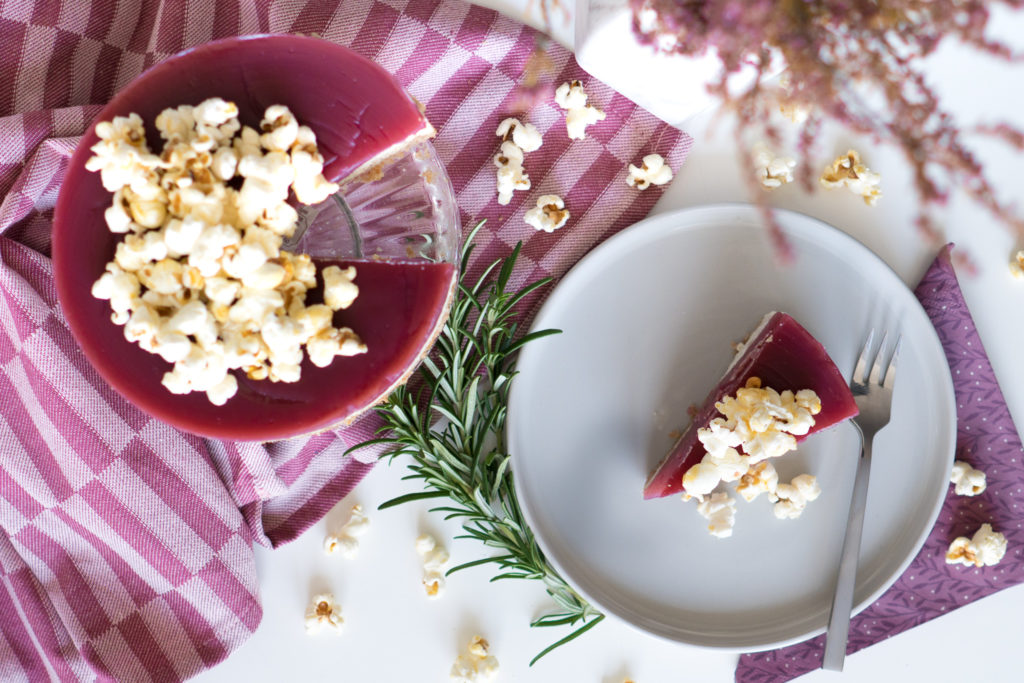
(393, 633)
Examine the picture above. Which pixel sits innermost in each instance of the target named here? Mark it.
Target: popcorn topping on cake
(200, 278)
(757, 424)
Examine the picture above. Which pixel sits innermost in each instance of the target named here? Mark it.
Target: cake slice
(784, 356)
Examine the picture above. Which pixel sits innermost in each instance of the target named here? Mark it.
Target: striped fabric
(125, 545)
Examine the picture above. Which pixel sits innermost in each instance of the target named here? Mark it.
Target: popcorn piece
(967, 480)
(579, 115)
(340, 289)
(720, 511)
(323, 613)
(985, 548)
(525, 136)
(347, 541)
(510, 174)
(1017, 265)
(652, 171)
(793, 497)
(477, 665)
(701, 479)
(435, 557)
(772, 171)
(759, 478)
(549, 215)
(848, 171)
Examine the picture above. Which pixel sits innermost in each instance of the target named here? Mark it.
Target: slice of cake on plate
(780, 356)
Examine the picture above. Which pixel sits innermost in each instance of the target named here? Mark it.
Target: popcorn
(510, 174)
(652, 171)
(701, 479)
(346, 542)
(984, 549)
(772, 171)
(1017, 265)
(848, 171)
(340, 289)
(200, 278)
(579, 115)
(793, 497)
(524, 136)
(758, 479)
(720, 511)
(323, 613)
(280, 129)
(477, 665)
(967, 480)
(435, 557)
(549, 215)
(764, 424)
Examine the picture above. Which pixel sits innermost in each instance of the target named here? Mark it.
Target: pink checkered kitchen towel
(125, 545)
(987, 439)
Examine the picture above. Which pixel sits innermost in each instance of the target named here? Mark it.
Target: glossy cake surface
(360, 115)
(784, 356)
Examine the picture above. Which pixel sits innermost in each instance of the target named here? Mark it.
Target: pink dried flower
(840, 55)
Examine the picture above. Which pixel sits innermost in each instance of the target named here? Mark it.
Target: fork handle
(842, 601)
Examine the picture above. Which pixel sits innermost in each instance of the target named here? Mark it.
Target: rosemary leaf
(453, 429)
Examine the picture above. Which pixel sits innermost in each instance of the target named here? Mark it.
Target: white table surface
(393, 633)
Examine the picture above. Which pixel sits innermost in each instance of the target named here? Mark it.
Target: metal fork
(873, 394)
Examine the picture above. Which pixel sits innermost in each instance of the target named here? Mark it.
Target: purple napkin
(988, 440)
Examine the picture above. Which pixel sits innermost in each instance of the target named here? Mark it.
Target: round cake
(362, 119)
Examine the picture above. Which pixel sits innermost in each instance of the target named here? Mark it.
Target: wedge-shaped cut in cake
(785, 357)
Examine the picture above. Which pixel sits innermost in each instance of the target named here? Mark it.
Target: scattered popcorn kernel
(652, 171)
(1017, 264)
(984, 549)
(434, 557)
(199, 277)
(549, 215)
(510, 175)
(772, 171)
(848, 171)
(324, 613)
(579, 115)
(346, 542)
(720, 511)
(967, 480)
(524, 135)
(477, 665)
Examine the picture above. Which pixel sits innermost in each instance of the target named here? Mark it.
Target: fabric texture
(126, 545)
(988, 440)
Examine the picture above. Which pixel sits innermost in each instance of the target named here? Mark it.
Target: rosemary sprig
(453, 429)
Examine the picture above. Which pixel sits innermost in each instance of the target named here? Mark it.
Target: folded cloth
(125, 545)
(987, 439)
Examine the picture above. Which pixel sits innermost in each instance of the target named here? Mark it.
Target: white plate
(648, 318)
